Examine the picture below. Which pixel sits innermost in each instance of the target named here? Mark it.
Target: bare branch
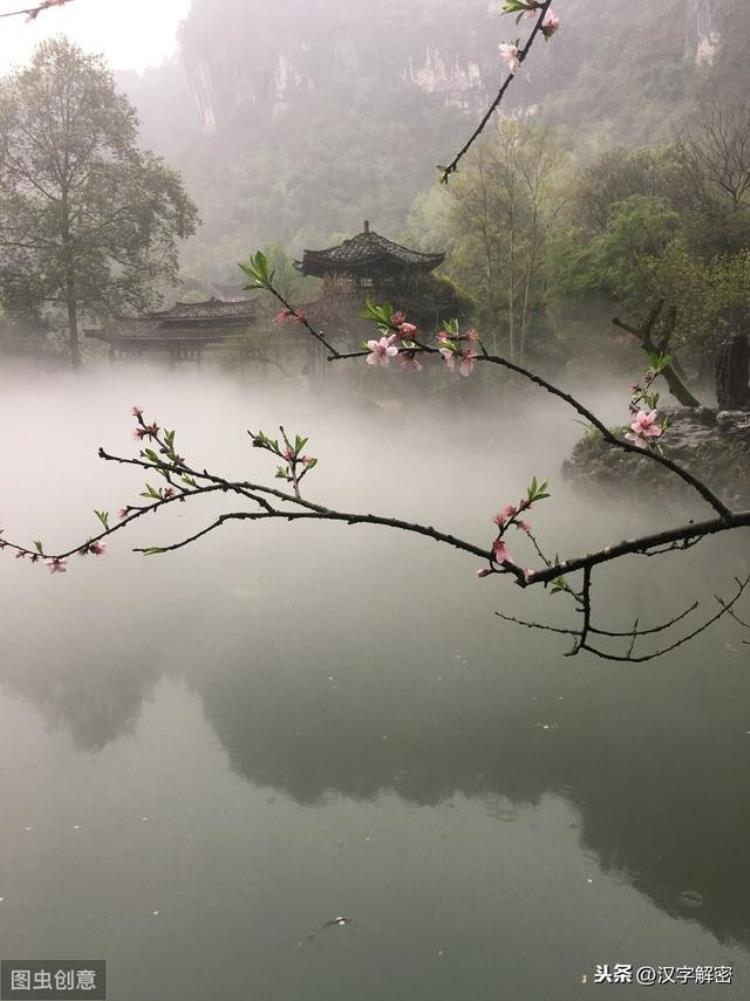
(453, 165)
(33, 12)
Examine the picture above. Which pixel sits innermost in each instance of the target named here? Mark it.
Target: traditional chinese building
(371, 264)
(182, 332)
(368, 260)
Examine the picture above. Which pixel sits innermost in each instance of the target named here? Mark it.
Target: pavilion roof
(207, 310)
(367, 251)
(150, 333)
(204, 322)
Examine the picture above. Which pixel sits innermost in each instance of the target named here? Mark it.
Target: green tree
(500, 209)
(88, 221)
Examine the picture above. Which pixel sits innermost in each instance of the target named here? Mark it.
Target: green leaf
(378, 314)
(103, 517)
(256, 271)
(153, 550)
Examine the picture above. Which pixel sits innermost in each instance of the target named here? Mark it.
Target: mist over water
(206, 755)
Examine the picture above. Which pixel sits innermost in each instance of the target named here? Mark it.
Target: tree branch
(33, 12)
(453, 165)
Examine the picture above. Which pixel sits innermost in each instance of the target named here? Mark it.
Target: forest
(628, 148)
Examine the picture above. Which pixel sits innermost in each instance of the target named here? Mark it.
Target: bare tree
(715, 146)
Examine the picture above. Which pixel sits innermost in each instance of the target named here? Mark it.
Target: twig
(33, 12)
(453, 165)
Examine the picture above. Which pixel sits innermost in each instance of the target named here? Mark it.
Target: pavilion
(183, 332)
(371, 264)
(369, 261)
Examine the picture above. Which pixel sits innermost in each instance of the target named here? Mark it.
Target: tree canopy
(88, 221)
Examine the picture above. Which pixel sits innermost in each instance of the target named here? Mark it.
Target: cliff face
(242, 58)
(294, 121)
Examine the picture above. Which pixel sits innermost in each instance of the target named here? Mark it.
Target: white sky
(132, 34)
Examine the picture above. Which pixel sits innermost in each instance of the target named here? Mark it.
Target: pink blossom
(509, 55)
(449, 356)
(397, 318)
(500, 552)
(123, 513)
(407, 359)
(472, 335)
(524, 526)
(148, 431)
(407, 329)
(56, 565)
(464, 359)
(98, 548)
(467, 362)
(137, 412)
(644, 426)
(289, 314)
(441, 337)
(531, 11)
(637, 440)
(484, 572)
(381, 351)
(550, 24)
(504, 516)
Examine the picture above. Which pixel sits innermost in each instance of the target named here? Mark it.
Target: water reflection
(362, 666)
(654, 761)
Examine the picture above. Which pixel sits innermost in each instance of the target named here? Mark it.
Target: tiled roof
(366, 249)
(208, 309)
(201, 322)
(151, 331)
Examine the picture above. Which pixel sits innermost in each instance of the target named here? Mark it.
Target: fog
(283, 722)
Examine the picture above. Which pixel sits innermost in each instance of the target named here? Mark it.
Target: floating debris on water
(548, 726)
(155, 914)
(338, 922)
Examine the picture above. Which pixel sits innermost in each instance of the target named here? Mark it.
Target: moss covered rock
(713, 446)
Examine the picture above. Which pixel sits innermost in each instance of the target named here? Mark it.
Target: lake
(207, 756)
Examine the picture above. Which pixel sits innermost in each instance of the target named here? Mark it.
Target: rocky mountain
(294, 121)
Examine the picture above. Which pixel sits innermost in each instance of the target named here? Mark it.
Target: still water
(205, 757)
